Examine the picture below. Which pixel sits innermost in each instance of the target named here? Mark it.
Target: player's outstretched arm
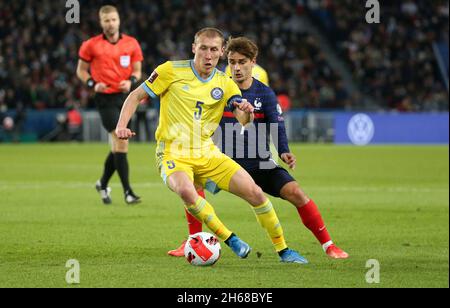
(128, 109)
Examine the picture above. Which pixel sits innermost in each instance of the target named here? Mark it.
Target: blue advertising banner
(395, 128)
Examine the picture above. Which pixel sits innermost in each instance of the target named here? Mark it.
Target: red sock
(194, 225)
(312, 219)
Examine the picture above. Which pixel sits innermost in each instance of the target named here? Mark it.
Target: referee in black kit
(111, 64)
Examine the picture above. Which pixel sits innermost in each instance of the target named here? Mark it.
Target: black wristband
(90, 83)
(133, 80)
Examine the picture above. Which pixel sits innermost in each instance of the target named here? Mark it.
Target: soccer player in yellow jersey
(258, 73)
(193, 96)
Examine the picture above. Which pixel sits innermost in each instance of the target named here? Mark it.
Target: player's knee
(187, 193)
(121, 146)
(295, 195)
(256, 195)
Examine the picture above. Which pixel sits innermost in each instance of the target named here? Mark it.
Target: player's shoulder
(129, 38)
(227, 70)
(263, 90)
(180, 68)
(94, 39)
(260, 86)
(260, 68)
(224, 78)
(225, 81)
(175, 65)
(180, 64)
(261, 74)
(221, 74)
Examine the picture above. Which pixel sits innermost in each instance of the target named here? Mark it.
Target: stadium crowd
(39, 49)
(393, 61)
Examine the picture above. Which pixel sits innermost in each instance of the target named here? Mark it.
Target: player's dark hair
(211, 33)
(242, 45)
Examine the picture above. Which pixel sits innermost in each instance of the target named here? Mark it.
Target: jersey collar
(106, 39)
(251, 86)
(198, 75)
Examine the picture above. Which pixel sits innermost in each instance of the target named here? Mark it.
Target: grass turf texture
(384, 203)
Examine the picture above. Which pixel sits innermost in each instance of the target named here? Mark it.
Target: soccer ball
(202, 249)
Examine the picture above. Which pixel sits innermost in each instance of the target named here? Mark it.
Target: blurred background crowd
(394, 61)
(397, 64)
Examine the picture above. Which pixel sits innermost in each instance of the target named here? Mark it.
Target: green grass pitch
(389, 203)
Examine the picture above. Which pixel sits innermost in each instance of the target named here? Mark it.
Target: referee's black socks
(121, 163)
(110, 167)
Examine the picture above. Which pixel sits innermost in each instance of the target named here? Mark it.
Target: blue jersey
(251, 147)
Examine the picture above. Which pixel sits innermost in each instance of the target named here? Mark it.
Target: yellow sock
(205, 213)
(268, 219)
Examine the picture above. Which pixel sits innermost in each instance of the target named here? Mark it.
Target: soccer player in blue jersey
(251, 148)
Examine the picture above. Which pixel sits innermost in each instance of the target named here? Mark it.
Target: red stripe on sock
(312, 219)
(194, 225)
(201, 193)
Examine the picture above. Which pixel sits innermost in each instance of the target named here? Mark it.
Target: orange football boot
(179, 252)
(336, 253)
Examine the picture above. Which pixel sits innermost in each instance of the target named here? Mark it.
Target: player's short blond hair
(211, 33)
(106, 9)
(242, 45)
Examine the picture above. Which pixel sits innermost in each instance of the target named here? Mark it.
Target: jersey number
(171, 165)
(198, 114)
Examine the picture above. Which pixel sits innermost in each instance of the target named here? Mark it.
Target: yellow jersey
(191, 107)
(258, 73)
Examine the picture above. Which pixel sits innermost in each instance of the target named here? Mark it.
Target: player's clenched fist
(100, 87)
(125, 86)
(289, 159)
(245, 106)
(124, 133)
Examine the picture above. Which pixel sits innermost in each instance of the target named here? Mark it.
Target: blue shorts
(272, 181)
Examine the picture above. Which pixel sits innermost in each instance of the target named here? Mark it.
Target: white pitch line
(393, 189)
(88, 185)
(68, 185)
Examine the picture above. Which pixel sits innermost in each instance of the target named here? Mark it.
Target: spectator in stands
(393, 61)
(3, 110)
(74, 122)
(284, 102)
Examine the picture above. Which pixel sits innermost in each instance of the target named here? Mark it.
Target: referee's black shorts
(272, 181)
(109, 107)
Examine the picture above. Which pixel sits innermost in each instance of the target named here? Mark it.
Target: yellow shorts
(212, 171)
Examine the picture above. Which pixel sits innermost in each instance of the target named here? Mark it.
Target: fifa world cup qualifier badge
(153, 77)
(217, 93)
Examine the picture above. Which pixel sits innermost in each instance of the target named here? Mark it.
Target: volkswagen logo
(361, 129)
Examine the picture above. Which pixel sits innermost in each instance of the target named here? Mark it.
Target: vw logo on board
(361, 129)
